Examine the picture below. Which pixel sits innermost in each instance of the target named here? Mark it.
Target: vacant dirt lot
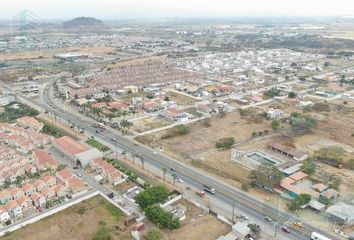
(180, 99)
(206, 228)
(48, 53)
(79, 222)
(202, 138)
(149, 123)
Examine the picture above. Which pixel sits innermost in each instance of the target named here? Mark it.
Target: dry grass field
(79, 222)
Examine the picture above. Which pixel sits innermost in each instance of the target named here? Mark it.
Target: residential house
(60, 190)
(17, 193)
(14, 209)
(76, 185)
(174, 114)
(64, 175)
(48, 193)
(304, 104)
(39, 185)
(288, 184)
(5, 196)
(30, 123)
(107, 171)
(29, 189)
(38, 200)
(26, 203)
(206, 109)
(50, 181)
(274, 113)
(44, 160)
(4, 214)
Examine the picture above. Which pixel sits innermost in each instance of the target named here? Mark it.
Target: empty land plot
(180, 99)
(202, 137)
(148, 124)
(80, 222)
(207, 228)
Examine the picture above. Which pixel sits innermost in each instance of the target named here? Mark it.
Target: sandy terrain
(198, 230)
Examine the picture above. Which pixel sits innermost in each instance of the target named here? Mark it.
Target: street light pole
(115, 145)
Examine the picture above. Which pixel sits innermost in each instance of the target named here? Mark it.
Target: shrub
(275, 125)
(245, 187)
(225, 142)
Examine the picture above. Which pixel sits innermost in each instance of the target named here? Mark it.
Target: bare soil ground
(48, 53)
(207, 228)
(201, 138)
(70, 224)
(135, 61)
(149, 123)
(180, 99)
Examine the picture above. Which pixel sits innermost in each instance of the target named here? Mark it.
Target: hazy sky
(116, 9)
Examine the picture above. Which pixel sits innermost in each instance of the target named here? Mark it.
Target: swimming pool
(261, 158)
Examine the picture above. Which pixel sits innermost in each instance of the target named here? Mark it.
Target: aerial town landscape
(176, 128)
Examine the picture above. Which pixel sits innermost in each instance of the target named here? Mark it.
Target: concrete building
(75, 151)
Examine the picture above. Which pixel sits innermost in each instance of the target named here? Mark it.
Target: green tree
(275, 125)
(126, 124)
(151, 196)
(302, 124)
(292, 95)
(167, 99)
(308, 167)
(324, 200)
(299, 201)
(331, 154)
(266, 175)
(162, 218)
(273, 92)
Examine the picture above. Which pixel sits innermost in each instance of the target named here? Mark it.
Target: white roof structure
(343, 212)
(87, 156)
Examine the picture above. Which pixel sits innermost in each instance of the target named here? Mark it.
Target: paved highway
(225, 193)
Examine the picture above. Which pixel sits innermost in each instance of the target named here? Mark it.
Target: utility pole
(275, 229)
(233, 211)
(115, 145)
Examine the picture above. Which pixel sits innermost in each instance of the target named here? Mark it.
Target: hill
(82, 22)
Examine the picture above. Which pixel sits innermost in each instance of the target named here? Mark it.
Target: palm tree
(142, 162)
(164, 170)
(174, 178)
(126, 124)
(96, 111)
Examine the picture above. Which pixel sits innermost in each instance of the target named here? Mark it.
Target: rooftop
(70, 145)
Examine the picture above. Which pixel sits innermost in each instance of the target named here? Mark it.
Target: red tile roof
(44, 159)
(65, 174)
(70, 145)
